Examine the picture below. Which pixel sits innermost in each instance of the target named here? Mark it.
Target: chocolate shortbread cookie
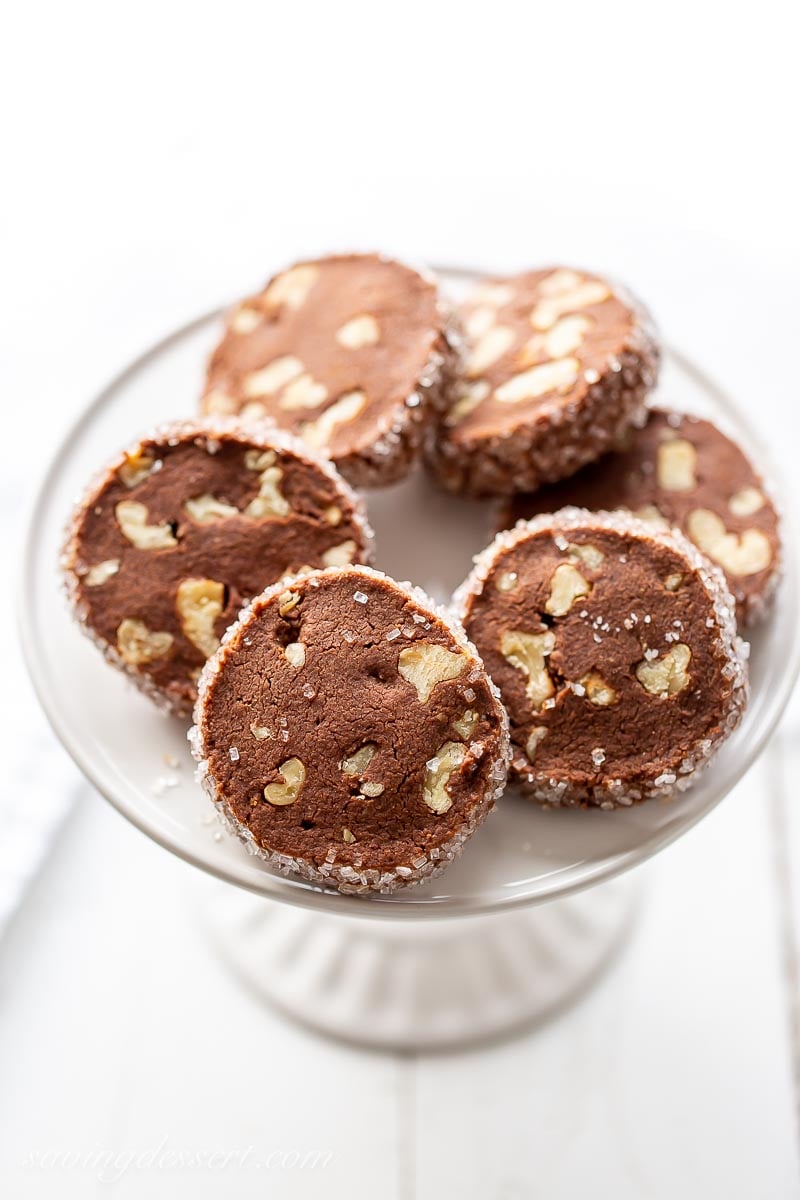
(185, 527)
(559, 366)
(614, 647)
(681, 470)
(348, 732)
(351, 352)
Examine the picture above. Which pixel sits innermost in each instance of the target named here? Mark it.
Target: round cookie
(559, 365)
(681, 470)
(186, 526)
(614, 647)
(348, 732)
(351, 352)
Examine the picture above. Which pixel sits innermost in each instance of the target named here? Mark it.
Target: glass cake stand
(539, 900)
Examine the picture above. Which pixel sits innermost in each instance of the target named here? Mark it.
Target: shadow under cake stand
(539, 900)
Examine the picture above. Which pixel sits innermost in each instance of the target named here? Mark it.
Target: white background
(159, 158)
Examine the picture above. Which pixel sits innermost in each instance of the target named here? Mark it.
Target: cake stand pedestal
(425, 984)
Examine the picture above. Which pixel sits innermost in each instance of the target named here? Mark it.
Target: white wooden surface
(122, 1038)
(162, 158)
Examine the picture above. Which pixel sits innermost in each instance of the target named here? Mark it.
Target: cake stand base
(421, 984)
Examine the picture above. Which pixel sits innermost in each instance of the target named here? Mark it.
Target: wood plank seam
(779, 757)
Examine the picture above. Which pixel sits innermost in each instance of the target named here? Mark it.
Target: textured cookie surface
(681, 470)
(349, 352)
(558, 367)
(185, 527)
(349, 733)
(614, 649)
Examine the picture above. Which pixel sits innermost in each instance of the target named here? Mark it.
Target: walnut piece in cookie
(558, 366)
(681, 470)
(184, 528)
(626, 686)
(388, 743)
(351, 352)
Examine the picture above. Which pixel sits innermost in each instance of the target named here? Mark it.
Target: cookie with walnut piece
(183, 528)
(614, 647)
(558, 367)
(348, 732)
(350, 352)
(681, 470)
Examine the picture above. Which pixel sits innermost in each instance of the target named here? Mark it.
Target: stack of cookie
(348, 730)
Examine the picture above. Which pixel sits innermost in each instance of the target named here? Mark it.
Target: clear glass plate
(128, 749)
